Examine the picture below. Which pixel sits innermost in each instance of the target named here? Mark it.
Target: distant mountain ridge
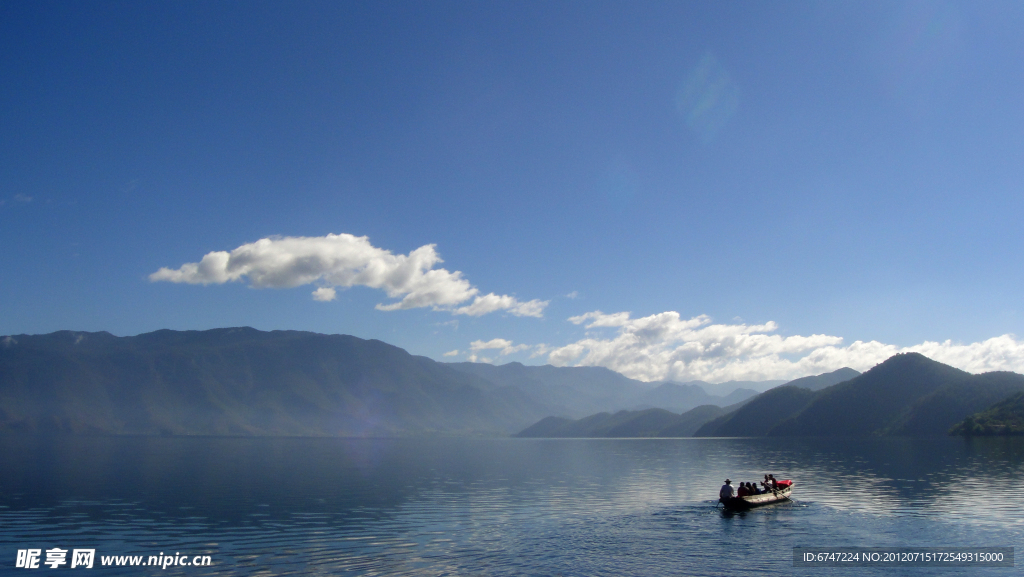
(242, 381)
(645, 423)
(576, 392)
(818, 382)
(680, 398)
(755, 414)
(728, 387)
(566, 391)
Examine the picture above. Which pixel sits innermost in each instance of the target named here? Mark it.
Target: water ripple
(501, 507)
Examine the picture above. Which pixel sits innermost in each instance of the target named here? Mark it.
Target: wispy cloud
(489, 303)
(666, 346)
(504, 347)
(708, 98)
(454, 353)
(540, 350)
(22, 198)
(344, 260)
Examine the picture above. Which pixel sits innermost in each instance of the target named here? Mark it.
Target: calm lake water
(501, 506)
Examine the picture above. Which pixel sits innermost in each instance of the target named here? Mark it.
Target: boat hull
(751, 501)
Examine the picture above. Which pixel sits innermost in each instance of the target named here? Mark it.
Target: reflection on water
(501, 506)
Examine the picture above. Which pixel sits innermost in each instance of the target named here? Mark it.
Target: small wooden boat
(751, 501)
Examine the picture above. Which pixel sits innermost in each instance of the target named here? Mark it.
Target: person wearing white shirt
(726, 491)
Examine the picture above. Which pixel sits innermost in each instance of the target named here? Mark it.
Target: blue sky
(803, 185)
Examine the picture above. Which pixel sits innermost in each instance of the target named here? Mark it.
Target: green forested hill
(934, 413)
(1003, 418)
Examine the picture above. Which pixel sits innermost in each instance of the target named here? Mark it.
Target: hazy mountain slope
(680, 398)
(759, 415)
(1003, 418)
(579, 391)
(726, 388)
(818, 382)
(674, 397)
(548, 427)
(242, 381)
(689, 422)
(566, 391)
(645, 423)
(737, 396)
(873, 401)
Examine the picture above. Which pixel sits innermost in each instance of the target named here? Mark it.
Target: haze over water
(264, 506)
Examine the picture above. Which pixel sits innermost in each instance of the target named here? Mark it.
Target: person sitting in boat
(741, 491)
(774, 483)
(726, 491)
(753, 489)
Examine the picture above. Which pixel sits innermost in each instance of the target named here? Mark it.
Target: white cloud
(344, 260)
(489, 303)
(504, 347)
(600, 319)
(572, 295)
(540, 350)
(454, 353)
(664, 346)
(22, 198)
(324, 294)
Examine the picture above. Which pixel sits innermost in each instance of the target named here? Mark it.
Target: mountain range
(908, 394)
(575, 392)
(241, 381)
(662, 423)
